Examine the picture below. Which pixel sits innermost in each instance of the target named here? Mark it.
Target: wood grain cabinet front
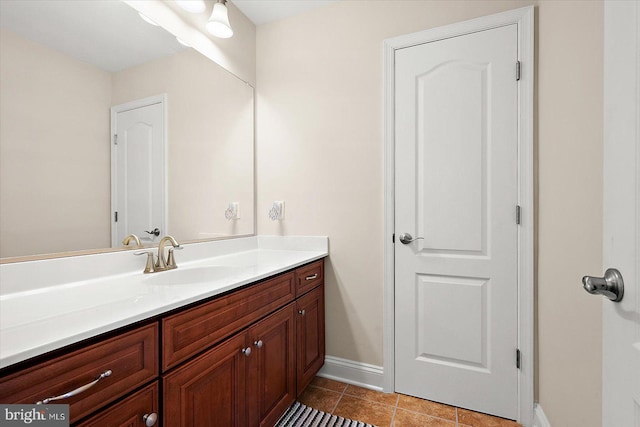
(248, 380)
(310, 336)
(253, 377)
(209, 390)
(93, 376)
(138, 410)
(272, 367)
(193, 330)
(309, 276)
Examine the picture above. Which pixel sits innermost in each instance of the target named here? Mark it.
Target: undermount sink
(193, 275)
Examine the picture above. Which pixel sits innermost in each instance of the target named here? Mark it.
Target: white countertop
(36, 321)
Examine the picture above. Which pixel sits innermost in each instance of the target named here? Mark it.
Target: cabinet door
(310, 336)
(137, 410)
(209, 391)
(272, 367)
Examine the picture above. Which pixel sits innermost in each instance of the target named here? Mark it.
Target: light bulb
(218, 24)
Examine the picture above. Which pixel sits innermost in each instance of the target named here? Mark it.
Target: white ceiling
(108, 34)
(263, 11)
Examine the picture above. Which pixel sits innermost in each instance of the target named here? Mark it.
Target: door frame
(524, 19)
(132, 105)
(621, 170)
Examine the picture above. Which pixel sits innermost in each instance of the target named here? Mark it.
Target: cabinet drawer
(309, 276)
(130, 412)
(131, 357)
(187, 333)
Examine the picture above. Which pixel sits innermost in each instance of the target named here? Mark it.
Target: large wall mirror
(65, 67)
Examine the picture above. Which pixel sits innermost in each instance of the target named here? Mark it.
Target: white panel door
(139, 173)
(456, 190)
(621, 244)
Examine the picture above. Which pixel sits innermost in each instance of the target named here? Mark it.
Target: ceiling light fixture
(193, 6)
(218, 24)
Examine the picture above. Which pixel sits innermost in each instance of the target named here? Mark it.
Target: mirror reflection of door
(138, 165)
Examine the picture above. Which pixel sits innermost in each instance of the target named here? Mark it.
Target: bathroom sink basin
(186, 276)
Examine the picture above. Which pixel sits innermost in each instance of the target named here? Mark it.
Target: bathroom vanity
(237, 357)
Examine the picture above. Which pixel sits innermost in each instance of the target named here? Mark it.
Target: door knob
(405, 238)
(155, 231)
(611, 285)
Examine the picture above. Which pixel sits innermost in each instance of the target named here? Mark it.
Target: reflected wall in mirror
(56, 93)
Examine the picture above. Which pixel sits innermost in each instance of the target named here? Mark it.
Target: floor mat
(299, 415)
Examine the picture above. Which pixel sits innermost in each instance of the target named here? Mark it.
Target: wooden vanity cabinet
(236, 360)
(248, 380)
(251, 378)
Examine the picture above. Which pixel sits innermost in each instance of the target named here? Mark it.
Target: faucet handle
(150, 267)
(171, 259)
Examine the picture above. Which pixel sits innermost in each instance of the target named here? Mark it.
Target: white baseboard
(539, 418)
(351, 372)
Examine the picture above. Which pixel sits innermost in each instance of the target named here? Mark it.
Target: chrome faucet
(131, 237)
(169, 263)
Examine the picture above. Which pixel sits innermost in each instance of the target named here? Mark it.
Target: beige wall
(570, 114)
(54, 150)
(319, 148)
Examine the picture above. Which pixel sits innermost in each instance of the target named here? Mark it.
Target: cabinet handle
(150, 419)
(315, 276)
(246, 351)
(302, 312)
(258, 343)
(76, 391)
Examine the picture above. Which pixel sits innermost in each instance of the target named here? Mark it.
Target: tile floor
(390, 410)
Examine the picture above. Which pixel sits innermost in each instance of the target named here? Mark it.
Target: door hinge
(518, 70)
(518, 214)
(393, 238)
(115, 139)
(115, 216)
(518, 358)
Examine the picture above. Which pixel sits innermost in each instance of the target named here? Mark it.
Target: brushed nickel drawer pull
(76, 391)
(315, 276)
